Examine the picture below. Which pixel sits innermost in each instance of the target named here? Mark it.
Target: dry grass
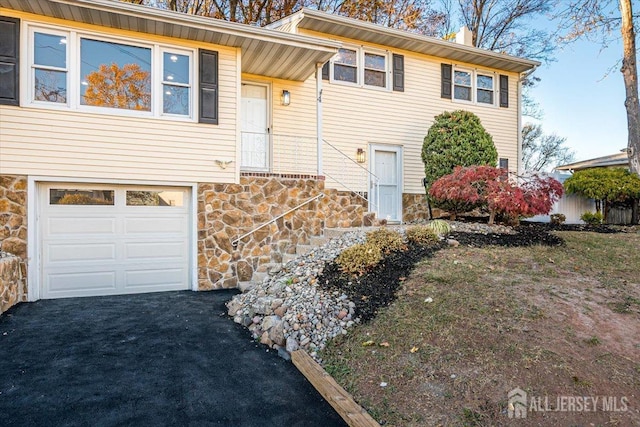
(554, 321)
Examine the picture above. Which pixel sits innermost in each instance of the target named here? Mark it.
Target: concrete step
(318, 240)
(246, 286)
(288, 257)
(304, 249)
(331, 233)
(259, 276)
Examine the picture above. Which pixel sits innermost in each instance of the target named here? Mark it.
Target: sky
(582, 98)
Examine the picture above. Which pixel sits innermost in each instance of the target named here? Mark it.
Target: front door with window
(386, 163)
(255, 127)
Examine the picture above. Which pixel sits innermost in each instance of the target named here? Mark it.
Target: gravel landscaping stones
(309, 301)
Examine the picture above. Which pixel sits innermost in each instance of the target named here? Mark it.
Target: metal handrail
(357, 193)
(350, 159)
(375, 181)
(235, 242)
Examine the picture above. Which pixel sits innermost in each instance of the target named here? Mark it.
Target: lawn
(470, 324)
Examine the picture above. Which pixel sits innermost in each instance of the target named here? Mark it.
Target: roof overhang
(322, 22)
(265, 52)
(610, 161)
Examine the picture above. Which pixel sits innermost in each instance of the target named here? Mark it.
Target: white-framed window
(361, 67)
(474, 86)
(345, 65)
(176, 82)
(49, 66)
(462, 88)
(92, 72)
(485, 88)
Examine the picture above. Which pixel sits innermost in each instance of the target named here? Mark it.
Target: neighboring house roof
(373, 33)
(265, 52)
(613, 160)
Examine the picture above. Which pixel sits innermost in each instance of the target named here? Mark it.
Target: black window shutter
(398, 73)
(208, 87)
(9, 60)
(504, 91)
(325, 71)
(445, 91)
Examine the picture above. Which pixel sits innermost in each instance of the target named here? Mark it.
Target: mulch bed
(378, 287)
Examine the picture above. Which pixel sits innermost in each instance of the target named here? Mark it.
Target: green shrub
(557, 219)
(592, 218)
(440, 227)
(456, 138)
(422, 235)
(359, 258)
(386, 240)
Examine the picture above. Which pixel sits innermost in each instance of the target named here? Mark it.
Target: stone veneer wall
(226, 211)
(12, 283)
(13, 239)
(415, 209)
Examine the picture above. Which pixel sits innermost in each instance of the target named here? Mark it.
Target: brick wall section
(226, 211)
(13, 239)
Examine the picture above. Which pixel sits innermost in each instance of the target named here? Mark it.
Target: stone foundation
(226, 211)
(415, 209)
(12, 283)
(13, 239)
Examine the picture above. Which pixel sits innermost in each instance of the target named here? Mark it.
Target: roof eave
(255, 42)
(410, 41)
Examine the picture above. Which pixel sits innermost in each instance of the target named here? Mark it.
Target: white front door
(386, 162)
(255, 127)
(100, 239)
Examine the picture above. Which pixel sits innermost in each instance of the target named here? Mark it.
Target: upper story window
(345, 66)
(474, 86)
(462, 85)
(362, 67)
(375, 70)
(87, 72)
(485, 89)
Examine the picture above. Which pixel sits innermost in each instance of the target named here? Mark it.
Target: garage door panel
(76, 252)
(154, 277)
(155, 225)
(80, 226)
(68, 284)
(114, 249)
(154, 250)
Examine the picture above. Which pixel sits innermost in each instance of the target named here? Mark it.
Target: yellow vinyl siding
(297, 118)
(355, 117)
(78, 143)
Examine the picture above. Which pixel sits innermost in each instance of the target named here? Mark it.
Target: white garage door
(110, 239)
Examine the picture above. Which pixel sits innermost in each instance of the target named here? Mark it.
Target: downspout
(523, 76)
(319, 116)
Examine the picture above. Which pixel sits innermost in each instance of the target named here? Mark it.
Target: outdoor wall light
(286, 98)
(361, 157)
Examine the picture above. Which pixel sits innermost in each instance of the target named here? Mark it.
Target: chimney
(464, 37)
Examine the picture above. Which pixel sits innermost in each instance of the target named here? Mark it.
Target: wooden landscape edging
(342, 402)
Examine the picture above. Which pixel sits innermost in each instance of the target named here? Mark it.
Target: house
(145, 150)
(572, 206)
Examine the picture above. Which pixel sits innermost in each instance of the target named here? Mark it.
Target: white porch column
(319, 115)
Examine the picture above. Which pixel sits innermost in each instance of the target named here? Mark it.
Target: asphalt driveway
(170, 358)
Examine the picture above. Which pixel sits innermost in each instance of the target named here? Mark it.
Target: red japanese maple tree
(488, 187)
